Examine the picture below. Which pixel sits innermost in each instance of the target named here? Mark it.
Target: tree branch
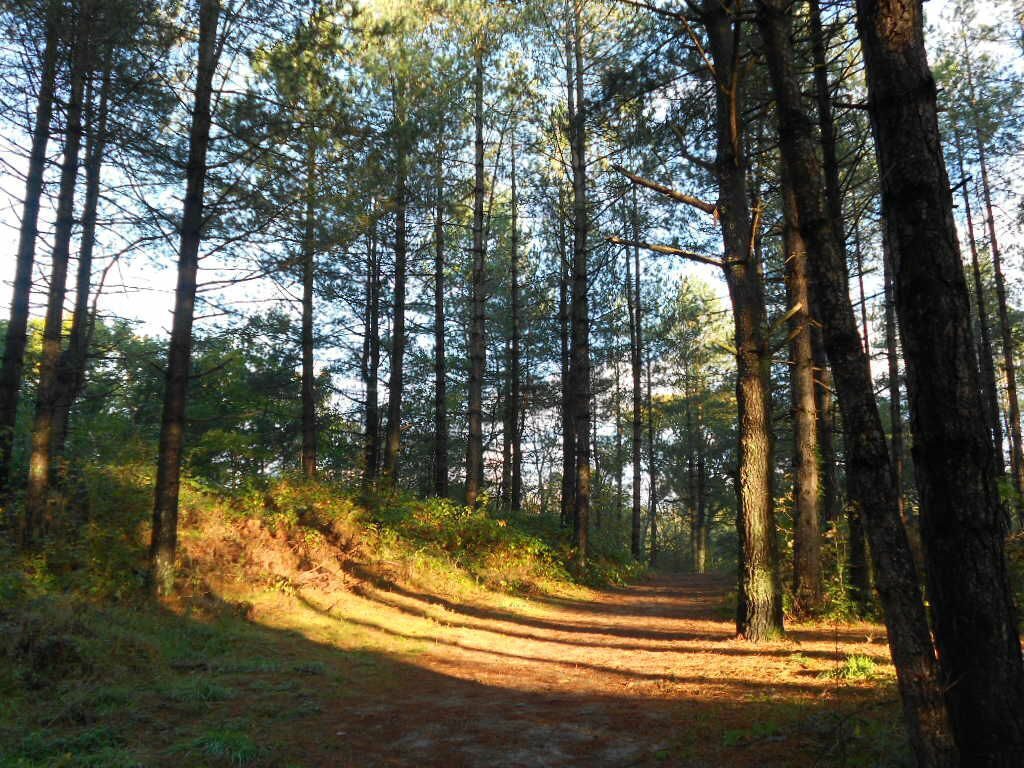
(679, 197)
(669, 250)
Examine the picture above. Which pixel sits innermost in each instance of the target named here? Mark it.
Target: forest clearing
(511, 383)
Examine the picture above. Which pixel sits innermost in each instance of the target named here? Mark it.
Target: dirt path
(645, 675)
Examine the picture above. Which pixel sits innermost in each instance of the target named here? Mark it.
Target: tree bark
(580, 298)
(71, 370)
(440, 484)
(869, 469)
(961, 515)
(515, 364)
(633, 305)
(396, 380)
(652, 467)
(37, 511)
(17, 327)
(831, 498)
(703, 522)
(1006, 332)
(892, 355)
(986, 356)
(620, 450)
(759, 612)
(371, 449)
(568, 494)
(807, 583)
(308, 275)
(477, 344)
(172, 427)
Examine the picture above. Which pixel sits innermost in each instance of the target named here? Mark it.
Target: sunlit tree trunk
(703, 522)
(396, 374)
(579, 306)
(633, 306)
(11, 368)
(515, 362)
(869, 469)
(71, 370)
(759, 609)
(172, 426)
(440, 484)
(371, 447)
(568, 495)
(477, 348)
(652, 468)
(807, 583)
(962, 520)
(48, 389)
(308, 276)
(831, 497)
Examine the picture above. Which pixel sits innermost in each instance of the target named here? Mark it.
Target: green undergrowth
(100, 551)
(121, 684)
(94, 673)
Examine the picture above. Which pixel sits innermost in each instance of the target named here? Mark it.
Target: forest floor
(366, 668)
(649, 674)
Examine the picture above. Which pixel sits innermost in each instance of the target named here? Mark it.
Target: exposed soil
(644, 675)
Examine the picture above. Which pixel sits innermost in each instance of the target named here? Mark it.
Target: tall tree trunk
(477, 344)
(759, 611)
(961, 515)
(568, 496)
(620, 448)
(371, 449)
(71, 370)
(504, 405)
(580, 299)
(17, 326)
(691, 470)
(396, 374)
(831, 501)
(652, 467)
(633, 306)
(987, 358)
(703, 523)
(863, 303)
(515, 364)
(1006, 332)
(869, 470)
(308, 275)
(48, 391)
(892, 355)
(440, 484)
(807, 581)
(179, 357)
(595, 451)
(826, 124)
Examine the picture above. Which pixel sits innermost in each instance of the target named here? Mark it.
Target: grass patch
(226, 745)
(313, 668)
(853, 667)
(96, 747)
(197, 689)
